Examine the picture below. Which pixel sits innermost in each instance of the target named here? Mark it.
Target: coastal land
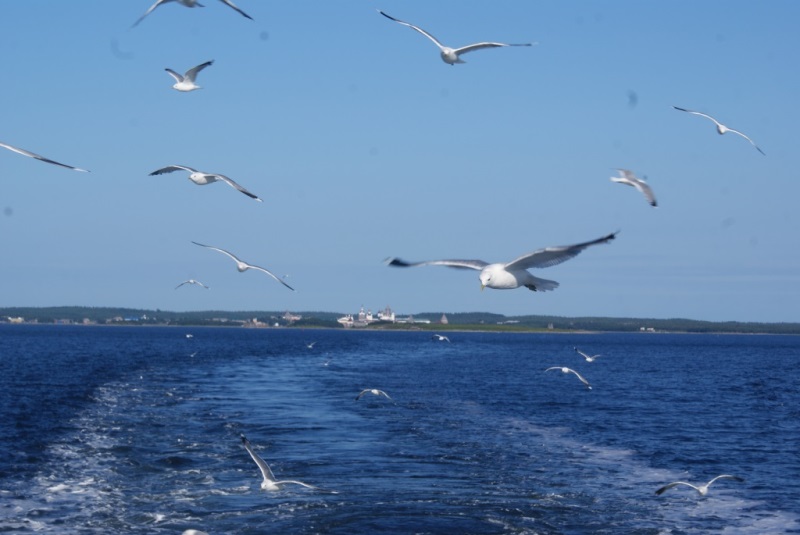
(429, 321)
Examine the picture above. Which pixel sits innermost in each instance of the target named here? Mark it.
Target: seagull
(721, 128)
(269, 482)
(570, 370)
(194, 532)
(440, 337)
(584, 355)
(513, 274)
(39, 157)
(192, 281)
(373, 391)
(244, 266)
(201, 179)
(188, 3)
(449, 55)
(186, 83)
(627, 177)
(310, 345)
(702, 489)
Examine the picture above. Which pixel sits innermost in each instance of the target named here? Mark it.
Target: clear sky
(364, 144)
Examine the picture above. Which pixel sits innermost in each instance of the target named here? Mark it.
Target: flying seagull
(570, 370)
(721, 128)
(513, 274)
(373, 391)
(39, 157)
(310, 345)
(589, 358)
(627, 177)
(186, 83)
(440, 337)
(188, 3)
(702, 489)
(192, 281)
(449, 55)
(201, 179)
(244, 266)
(269, 482)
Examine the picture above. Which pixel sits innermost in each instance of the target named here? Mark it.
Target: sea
(138, 430)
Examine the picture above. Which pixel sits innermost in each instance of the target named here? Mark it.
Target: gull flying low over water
(570, 370)
(440, 338)
(192, 281)
(202, 179)
(269, 482)
(188, 3)
(30, 154)
(589, 358)
(627, 177)
(186, 83)
(242, 265)
(702, 489)
(721, 128)
(374, 392)
(505, 276)
(449, 55)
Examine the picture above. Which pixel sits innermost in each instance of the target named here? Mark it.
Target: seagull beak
(482, 286)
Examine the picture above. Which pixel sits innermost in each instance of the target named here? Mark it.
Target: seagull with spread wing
(269, 482)
(243, 266)
(721, 128)
(186, 82)
(192, 281)
(505, 276)
(570, 370)
(628, 178)
(702, 489)
(189, 3)
(201, 179)
(449, 55)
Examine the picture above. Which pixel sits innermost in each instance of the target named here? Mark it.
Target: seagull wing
(645, 189)
(39, 157)
(553, 368)
(420, 30)
(306, 485)
(191, 74)
(366, 390)
(262, 465)
(178, 77)
(478, 46)
(181, 284)
(675, 484)
(551, 256)
(223, 251)
(747, 138)
(150, 10)
(233, 6)
(627, 173)
(382, 393)
(461, 264)
(236, 186)
(724, 476)
(700, 114)
(581, 353)
(171, 168)
(579, 376)
(271, 274)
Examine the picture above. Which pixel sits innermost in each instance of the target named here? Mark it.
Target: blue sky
(364, 144)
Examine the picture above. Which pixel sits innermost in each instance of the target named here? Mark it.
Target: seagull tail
(535, 284)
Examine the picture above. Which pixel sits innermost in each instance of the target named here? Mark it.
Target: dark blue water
(120, 430)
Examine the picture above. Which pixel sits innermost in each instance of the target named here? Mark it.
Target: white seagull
(589, 358)
(374, 392)
(721, 128)
(201, 179)
(570, 370)
(449, 55)
(192, 281)
(440, 337)
(627, 177)
(186, 83)
(244, 266)
(505, 276)
(702, 489)
(310, 345)
(269, 482)
(188, 3)
(30, 154)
